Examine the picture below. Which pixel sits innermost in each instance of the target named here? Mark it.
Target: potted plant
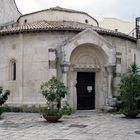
(129, 89)
(54, 91)
(3, 98)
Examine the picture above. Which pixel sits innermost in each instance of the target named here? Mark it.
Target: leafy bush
(3, 98)
(66, 110)
(2, 109)
(50, 112)
(129, 89)
(54, 91)
(3, 95)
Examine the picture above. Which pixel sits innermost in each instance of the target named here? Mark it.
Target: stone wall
(31, 54)
(8, 12)
(57, 16)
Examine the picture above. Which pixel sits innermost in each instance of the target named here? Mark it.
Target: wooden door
(85, 90)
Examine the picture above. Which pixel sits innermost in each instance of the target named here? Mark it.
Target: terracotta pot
(52, 118)
(131, 114)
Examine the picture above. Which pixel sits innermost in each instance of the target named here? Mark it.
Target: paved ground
(83, 125)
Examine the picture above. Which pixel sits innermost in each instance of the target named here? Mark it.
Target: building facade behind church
(67, 44)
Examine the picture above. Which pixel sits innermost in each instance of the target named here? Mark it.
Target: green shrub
(66, 110)
(3, 95)
(2, 109)
(129, 89)
(53, 91)
(3, 98)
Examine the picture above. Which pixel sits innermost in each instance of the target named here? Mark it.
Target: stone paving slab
(83, 125)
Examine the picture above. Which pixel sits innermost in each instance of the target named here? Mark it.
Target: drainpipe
(138, 31)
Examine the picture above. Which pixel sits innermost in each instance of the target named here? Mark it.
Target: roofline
(118, 19)
(79, 12)
(102, 32)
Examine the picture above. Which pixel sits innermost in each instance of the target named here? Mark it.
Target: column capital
(65, 67)
(110, 68)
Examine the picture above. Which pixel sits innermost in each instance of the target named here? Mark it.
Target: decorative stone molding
(52, 58)
(111, 102)
(110, 68)
(65, 67)
(87, 67)
(118, 60)
(89, 36)
(52, 64)
(52, 54)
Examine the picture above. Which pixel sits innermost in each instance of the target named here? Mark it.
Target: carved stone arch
(88, 54)
(89, 36)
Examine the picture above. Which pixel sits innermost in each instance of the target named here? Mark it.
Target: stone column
(110, 76)
(118, 72)
(110, 101)
(65, 69)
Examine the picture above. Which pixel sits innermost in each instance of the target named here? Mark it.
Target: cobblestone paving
(83, 125)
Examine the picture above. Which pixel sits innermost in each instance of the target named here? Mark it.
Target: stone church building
(65, 43)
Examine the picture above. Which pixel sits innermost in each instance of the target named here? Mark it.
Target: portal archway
(88, 52)
(87, 76)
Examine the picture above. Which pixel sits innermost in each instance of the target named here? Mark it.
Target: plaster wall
(31, 54)
(49, 15)
(119, 25)
(8, 12)
(30, 50)
(125, 50)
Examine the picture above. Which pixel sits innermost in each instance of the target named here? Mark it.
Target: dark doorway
(85, 90)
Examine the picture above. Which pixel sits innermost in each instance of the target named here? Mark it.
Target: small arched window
(25, 21)
(13, 66)
(86, 21)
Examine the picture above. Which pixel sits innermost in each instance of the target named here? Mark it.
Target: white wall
(49, 15)
(119, 25)
(8, 12)
(31, 54)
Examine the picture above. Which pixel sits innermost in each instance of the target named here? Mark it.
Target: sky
(126, 10)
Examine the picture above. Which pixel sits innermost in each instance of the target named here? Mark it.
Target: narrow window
(135, 58)
(13, 70)
(25, 21)
(86, 21)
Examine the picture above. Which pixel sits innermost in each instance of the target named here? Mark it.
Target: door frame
(100, 86)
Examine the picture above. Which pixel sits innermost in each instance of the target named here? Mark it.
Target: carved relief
(87, 55)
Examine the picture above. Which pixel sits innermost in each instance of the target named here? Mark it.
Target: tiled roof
(66, 10)
(60, 26)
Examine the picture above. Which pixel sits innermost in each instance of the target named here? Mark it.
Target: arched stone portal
(87, 63)
(90, 55)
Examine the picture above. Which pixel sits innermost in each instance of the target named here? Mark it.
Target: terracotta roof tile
(60, 26)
